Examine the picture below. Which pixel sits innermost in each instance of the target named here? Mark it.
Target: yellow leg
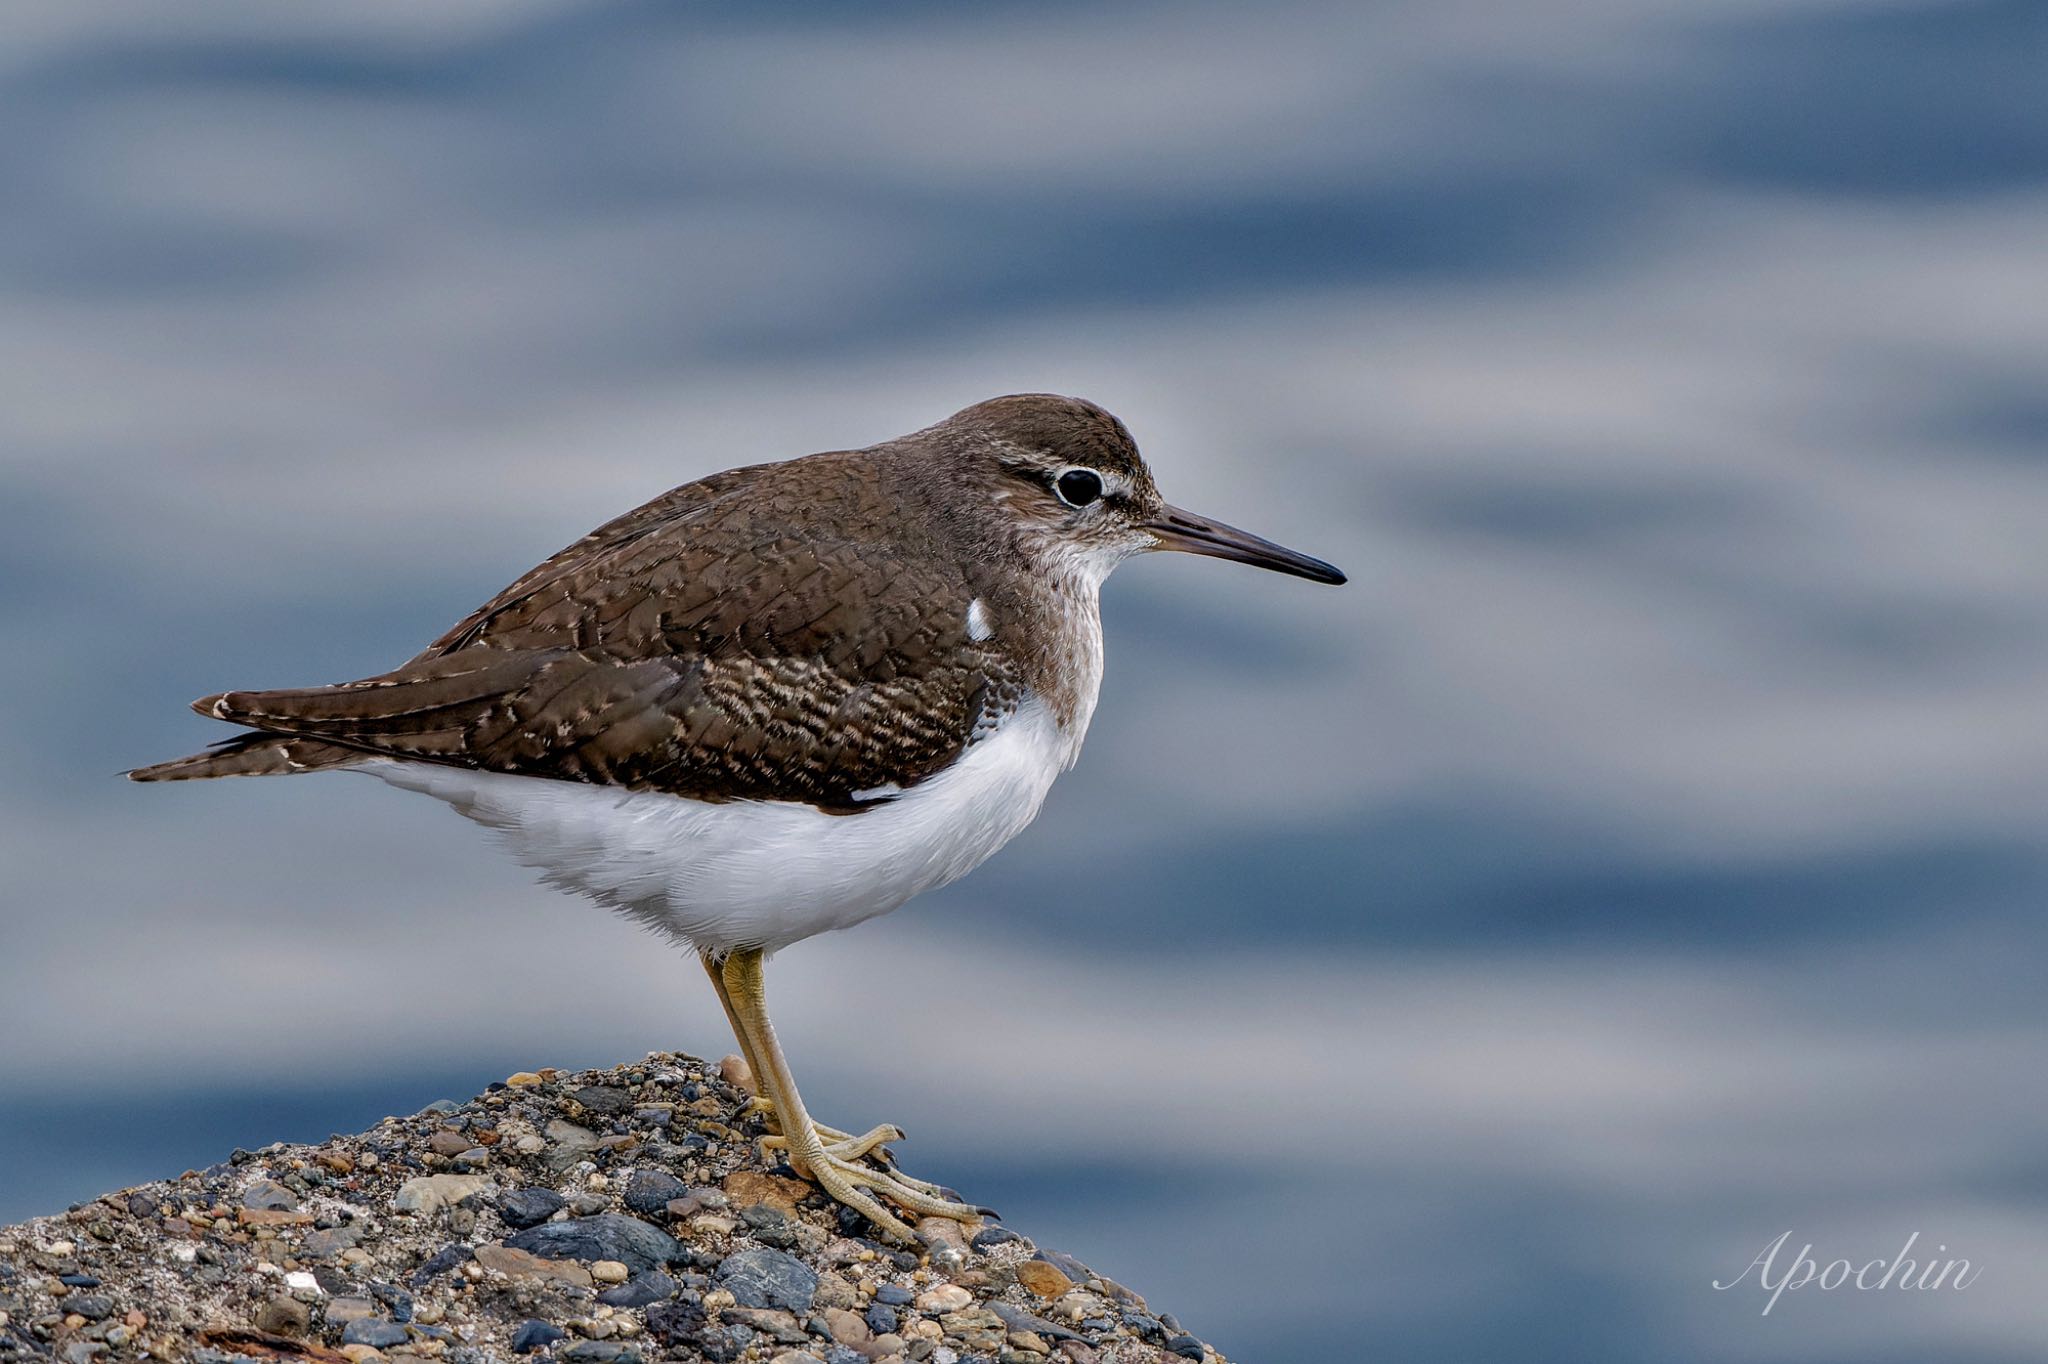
(839, 1175)
(840, 1143)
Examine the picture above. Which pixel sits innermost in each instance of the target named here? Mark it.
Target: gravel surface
(603, 1217)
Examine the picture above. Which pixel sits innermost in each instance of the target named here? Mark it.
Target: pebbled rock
(397, 1254)
(769, 1278)
(607, 1236)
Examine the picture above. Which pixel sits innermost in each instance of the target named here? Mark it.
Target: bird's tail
(252, 755)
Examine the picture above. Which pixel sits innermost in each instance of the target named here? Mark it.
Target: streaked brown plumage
(777, 632)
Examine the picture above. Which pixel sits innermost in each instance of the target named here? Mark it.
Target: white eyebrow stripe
(979, 626)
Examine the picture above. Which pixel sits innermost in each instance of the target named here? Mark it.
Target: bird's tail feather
(252, 755)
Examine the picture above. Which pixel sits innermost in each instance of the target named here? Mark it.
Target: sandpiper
(779, 700)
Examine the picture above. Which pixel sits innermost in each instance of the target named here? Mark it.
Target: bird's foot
(845, 1145)
(842, 1144)
(833, 1163)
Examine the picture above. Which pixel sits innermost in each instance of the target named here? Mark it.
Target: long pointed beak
(1192, 534)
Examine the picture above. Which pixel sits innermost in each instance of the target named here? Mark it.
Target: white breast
(760, 873)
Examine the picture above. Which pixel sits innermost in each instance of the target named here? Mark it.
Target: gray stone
(284, 1315)
(607, 1236)
(648, 1191)
(769, 1278)
(534, 1334)
(1066, 1264)
(991, 1236)
(601, 1352)
(604, 1099)
(269, 1194)
(378, 1332)
(321, 1245)
(1017, 1319)
(529, 1207)
(640, 1290)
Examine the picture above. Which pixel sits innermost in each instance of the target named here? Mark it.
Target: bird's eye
(1078, 487)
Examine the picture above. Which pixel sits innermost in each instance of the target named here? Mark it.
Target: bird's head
(1068, 475)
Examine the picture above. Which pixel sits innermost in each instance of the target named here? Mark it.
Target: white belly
(759, 873)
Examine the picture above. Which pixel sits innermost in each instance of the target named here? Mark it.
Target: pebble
(601, 1352)
(639, 1291)
(324, 1244)
(91, 1306)
(269, 1195)
(1043, 1279)
(376, 1332)
(431, 1193)
(449, 1142)
(881, 1317)
(534, 1334)
(747, 1187)
(892, 1296)
(522, 1079)
(768, 1278)
(1186, 1346)
(607, 1236)
(605, 1100)
(442, 1261)
(528, 1207)
(993, 1235)
(735, 1071)
(609, 1272)
(347, 1309)
(1066, 1264)
(947, 1297)
(284, 1316)
(848, 1328)
(651, 1191)
(567, 1143)
(521, 1264)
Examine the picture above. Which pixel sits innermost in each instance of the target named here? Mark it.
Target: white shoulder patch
(979, 626)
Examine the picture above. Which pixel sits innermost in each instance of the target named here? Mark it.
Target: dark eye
(1078, 487)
